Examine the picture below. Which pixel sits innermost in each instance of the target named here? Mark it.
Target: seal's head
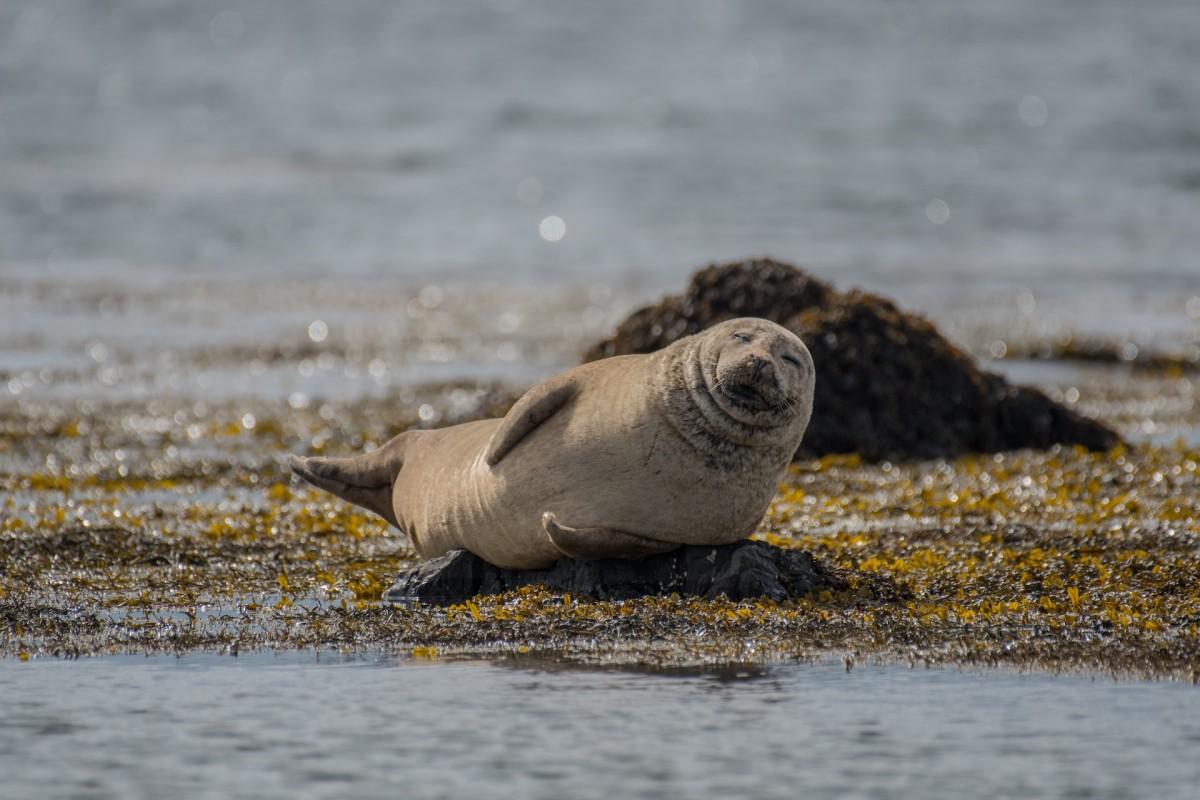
(758, 373)
(745, 383)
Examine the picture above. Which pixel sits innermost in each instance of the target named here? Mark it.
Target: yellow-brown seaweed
(193, 539)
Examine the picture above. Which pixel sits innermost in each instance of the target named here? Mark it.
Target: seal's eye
(742, 337)
(795, 362)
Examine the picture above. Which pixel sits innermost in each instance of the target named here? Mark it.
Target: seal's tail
(364, 480)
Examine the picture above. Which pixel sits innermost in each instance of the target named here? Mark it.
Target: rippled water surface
(267, 726)
(179, 177)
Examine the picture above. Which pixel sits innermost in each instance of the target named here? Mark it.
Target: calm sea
(175, 174)
(295, 726)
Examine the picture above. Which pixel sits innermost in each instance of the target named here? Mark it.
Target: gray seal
(620, 458)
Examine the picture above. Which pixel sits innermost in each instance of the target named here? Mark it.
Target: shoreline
(151, 517)
(186, 536)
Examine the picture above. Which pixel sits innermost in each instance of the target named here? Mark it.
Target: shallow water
(378, 726)
(293, 138)
(177, 179)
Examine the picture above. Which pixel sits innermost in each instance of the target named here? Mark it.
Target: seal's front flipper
(364, 480)
(586, 543)
(535, 407)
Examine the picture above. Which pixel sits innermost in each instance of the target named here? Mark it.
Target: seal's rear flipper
(586, 543)
(364, 480)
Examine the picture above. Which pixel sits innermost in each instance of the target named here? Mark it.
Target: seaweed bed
(170, 527)
(889, 385)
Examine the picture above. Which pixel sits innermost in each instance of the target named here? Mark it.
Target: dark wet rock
(738, 571)
(889, 385)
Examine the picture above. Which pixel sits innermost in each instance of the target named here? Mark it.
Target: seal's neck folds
(686, 393)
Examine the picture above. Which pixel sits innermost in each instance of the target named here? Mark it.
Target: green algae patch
(123, 533)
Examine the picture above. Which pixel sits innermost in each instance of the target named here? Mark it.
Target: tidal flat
(172, 527)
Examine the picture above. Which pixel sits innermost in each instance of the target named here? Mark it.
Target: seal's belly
(639, 478)
(643, 478)
(657, 489)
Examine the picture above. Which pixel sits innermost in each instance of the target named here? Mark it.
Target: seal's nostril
(761, 366)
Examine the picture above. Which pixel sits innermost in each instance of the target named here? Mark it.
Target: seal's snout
(753, 383)
(761, 369)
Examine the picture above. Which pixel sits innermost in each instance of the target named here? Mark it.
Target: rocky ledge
(737, 571)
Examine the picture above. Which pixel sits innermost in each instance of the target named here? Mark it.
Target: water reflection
(284, 723)
(720, 672)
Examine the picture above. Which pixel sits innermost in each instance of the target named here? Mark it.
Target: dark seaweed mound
(889, 385)
(760, 287)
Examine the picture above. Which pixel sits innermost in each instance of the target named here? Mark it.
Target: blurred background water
(182, 174)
